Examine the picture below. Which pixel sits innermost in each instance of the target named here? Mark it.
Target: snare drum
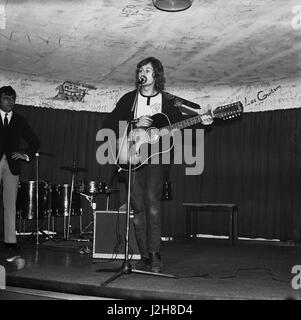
(93, 187)
(27, 200)
(60, 200)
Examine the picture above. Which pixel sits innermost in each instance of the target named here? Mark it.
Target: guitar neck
(184, 123)
(224, 112)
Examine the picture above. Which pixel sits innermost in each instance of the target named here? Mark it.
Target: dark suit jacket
(11, 137)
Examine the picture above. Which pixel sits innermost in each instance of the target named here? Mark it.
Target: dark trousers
(146, 191)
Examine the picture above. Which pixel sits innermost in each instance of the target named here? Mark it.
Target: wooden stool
(193, 208)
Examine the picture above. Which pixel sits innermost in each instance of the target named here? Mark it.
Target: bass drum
(27, 200)
(60, 199)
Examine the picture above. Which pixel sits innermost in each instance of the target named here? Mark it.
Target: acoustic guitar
(137, 147)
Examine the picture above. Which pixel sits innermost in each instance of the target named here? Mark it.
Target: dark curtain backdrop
(253, 162)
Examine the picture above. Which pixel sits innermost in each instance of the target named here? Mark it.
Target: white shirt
(3, 113)
(148, 105)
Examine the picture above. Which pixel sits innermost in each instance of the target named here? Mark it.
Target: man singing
(147, 181)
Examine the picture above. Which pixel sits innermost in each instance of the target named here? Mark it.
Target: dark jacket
(123, 109)
(124, 106)
(10, 139)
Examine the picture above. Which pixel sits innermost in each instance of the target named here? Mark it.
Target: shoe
(143, 264)
(14, 263)
(12, 247)
(155, 262)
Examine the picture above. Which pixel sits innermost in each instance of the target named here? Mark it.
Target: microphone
(142, 79)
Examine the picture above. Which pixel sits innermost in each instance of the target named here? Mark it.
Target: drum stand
(73, 169)
(126, 267)
(70, 204)
(85, 249)
(90, 198)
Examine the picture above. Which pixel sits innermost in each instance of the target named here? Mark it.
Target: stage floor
(203, 270)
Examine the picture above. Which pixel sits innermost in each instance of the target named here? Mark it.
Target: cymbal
(73, 169)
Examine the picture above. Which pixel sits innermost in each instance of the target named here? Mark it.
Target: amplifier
(109, 236)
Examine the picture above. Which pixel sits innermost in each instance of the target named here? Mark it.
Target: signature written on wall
(261, 96)
(139, 15)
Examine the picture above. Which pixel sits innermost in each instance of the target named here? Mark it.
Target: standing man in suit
(13, 128)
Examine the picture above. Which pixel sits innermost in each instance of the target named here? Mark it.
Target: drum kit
(58, 200)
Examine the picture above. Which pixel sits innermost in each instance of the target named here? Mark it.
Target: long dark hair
(158, 69)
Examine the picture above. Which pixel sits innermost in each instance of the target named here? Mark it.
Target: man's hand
(20, 156)
(144, 121)
(207, 119)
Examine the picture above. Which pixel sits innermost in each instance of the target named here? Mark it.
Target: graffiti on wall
(73, 91)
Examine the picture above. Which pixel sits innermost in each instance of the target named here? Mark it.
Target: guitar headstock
(228, 111)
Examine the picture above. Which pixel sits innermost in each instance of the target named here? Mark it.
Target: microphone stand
(37, 155)
(37, 198)
(126, 267)
(70, 202)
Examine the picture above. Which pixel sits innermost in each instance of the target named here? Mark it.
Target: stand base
(80, 239)
(38, 233)
(47, 237)
(85, 230)
(126, 268)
